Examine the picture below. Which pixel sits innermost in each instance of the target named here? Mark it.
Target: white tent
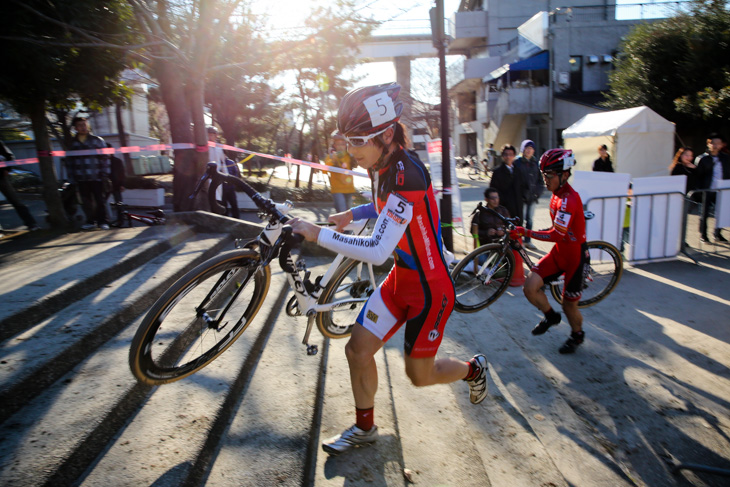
(639, 140)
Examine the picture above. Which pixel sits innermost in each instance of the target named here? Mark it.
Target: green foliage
(678, 67)
(44, 61)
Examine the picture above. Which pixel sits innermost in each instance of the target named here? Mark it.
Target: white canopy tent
(639, 140)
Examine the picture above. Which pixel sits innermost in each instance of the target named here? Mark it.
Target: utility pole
(439, 41)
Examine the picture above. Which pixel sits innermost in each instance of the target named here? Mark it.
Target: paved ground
(650, 387)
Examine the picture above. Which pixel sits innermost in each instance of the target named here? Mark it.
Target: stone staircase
(71, 413)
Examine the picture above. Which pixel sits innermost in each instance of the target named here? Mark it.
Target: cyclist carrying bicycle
(418, 290)
(569, 256)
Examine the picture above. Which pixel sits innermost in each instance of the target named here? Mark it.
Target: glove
(517, 232)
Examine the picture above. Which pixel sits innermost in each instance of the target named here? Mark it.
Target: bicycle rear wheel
(199, 317)
(604, 273)
(474, 173)
(481, 277)
(349, 288)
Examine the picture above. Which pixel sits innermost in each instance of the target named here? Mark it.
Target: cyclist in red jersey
(418, 291)
(569, 256)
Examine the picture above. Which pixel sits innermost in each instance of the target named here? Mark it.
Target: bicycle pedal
(312, 349)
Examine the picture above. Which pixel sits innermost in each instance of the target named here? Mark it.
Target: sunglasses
(549, 175)
(359, 141)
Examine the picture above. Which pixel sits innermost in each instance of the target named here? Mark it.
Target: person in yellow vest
(343, 185)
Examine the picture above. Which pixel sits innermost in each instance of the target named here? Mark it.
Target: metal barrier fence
(654, 232)
(612, 225)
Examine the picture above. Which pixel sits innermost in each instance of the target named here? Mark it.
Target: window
(576, 73)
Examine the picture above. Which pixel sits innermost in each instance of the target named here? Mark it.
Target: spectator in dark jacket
(712, 166)
(683, 165)
(90, 173)
(529, 167)
(508, 181)
(603, 163)
(487, 227)
(229, 191)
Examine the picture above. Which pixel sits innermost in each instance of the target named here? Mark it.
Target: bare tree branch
(105, 45)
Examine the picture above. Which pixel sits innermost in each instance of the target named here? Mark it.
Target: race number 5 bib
(381, 109)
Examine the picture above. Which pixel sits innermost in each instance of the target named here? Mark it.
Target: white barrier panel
(607, 191)
(144, 197)
(722, 206)
(656, 218)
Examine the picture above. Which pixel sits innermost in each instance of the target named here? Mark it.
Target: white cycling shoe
(478, 386)
(351, 438)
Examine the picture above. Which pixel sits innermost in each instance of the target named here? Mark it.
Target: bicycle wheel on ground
(350, 287)
(604, 273)
(474, 173)
(199, 317)
(481, 277)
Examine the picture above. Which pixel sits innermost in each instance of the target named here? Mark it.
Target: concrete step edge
(59, 299)
(20, 393)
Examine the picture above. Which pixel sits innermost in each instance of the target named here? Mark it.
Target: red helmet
(369, 109)
(557, 160)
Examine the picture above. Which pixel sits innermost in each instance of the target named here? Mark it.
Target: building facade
(506, 93)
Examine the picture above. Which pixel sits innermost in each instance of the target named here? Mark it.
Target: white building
(506, 93)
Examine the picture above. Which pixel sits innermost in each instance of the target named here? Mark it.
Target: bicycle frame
(508, 244)
(149, 219)
(276, 238)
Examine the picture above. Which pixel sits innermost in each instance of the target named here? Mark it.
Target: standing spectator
(683, 164)
(342, 185)
(9, 192)
(225, 193)
(509, 182)
(118, 175)
(491, 157)
(486, 226)
(603, 163)
(534, 186)
(229, 191)
(90, 173)
(712, 166)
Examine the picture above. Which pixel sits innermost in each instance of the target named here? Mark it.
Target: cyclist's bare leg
(575, 319)
(428, 371)
(360, 352)
(534, 292)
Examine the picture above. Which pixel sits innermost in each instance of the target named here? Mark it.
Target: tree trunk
(173, 96)
(56, 216)
(123, 142)
(195, 91)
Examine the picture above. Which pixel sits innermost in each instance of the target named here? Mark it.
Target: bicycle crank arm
(311, 349)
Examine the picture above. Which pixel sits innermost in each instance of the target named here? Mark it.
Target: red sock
(473, 371)
(365, 418)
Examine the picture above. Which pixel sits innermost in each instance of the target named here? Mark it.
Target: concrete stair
(71, 413)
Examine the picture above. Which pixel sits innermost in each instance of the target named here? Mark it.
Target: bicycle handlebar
(510, 222)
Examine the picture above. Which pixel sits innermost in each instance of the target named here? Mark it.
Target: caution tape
(160, 147)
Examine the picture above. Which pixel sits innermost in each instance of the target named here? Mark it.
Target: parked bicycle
(206, 310)
(483, 275)
(477, 170)
(125, 218)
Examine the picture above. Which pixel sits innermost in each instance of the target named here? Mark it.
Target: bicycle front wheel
(347, 292)
(474, 173)
(199, 317)
(603, 274)
(481, 277)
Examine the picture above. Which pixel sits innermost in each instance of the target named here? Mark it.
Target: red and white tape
(161, 147)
